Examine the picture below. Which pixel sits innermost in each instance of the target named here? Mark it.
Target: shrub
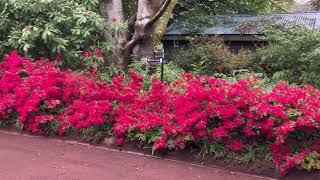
(63, 28)
(42, 94)
(213, 114)
(171, 71)
(207, 56)
(292, 55)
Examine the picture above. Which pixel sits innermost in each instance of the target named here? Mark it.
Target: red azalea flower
(187, 110)
(58, 58)
(219, 132)
(98, 53)
(235, 146)
(86, 53)
(120, 141)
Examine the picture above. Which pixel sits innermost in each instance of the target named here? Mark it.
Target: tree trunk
(140, 41)
(121, 58)
(112, 10)
(144, 48)
(162, 23)
(117, 11)
(149, 12)
(105, 8)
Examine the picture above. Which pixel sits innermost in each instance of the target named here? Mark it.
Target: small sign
(159, 58)
(153, 60)
(159, 53)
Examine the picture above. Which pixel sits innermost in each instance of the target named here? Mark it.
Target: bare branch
(129, 46)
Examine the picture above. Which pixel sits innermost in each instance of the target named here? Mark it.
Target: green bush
(40, 28)
(207, 56)
(171, 71)
(293, 54)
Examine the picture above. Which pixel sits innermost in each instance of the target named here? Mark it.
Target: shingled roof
(241, 24)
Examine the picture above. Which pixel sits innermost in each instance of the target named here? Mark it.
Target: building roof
(240, 24)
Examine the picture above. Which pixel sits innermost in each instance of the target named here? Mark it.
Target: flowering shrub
(62, 28)
(41, 93)
(198, 110)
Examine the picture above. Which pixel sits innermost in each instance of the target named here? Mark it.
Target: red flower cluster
(201, 109)
(192, 109)
(41, 93)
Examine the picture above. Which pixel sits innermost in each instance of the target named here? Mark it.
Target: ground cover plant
(210, 113)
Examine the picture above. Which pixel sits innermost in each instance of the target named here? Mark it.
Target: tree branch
(129, 46)
(277, 6)
(161, 25)
(131, 22)
(158, 15)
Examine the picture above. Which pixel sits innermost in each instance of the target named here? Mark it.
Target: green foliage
(205, 7)
(91, 5)
(171, 71)
(248, 155)
(50, 128)
(292, 55)
(129, 7)
(207, 56)
(92, 134)
(262, 80)
(312, 161)
(40, 28)
(148, 137)
(215, 149)
(107, 72)
(315, 4)
(12, 120)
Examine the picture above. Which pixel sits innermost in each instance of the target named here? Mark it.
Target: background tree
(315, 4)
(230, 6)
(49, 28)
(139, 38)
(147, 20)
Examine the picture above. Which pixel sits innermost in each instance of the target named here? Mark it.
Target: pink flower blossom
(86, 53)
(192, 109)
(235, 146)
(98, 53)
(58, 58)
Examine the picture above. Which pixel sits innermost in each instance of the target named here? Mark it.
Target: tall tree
(139, 38)
(147, 19)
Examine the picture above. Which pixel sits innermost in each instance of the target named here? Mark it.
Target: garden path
(25, 157)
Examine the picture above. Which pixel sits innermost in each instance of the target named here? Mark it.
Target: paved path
(37, 158)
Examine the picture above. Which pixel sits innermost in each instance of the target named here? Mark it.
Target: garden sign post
(159, 58)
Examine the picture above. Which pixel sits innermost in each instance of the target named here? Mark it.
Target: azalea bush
(42, 94)
(210, 113)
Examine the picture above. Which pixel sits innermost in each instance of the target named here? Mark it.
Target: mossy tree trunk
(162, 23)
